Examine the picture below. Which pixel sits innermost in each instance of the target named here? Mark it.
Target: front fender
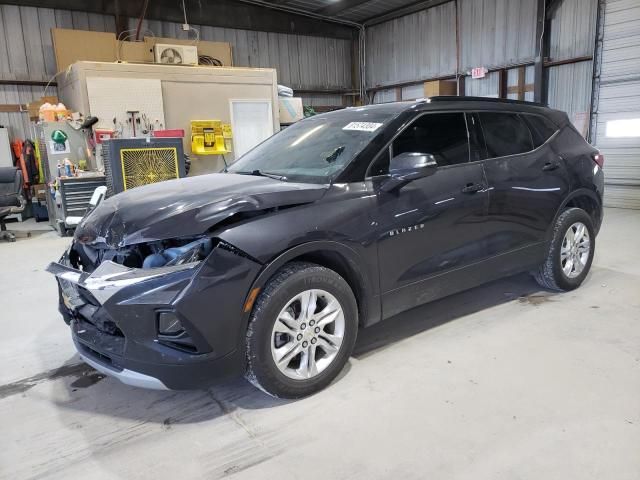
(366, 288)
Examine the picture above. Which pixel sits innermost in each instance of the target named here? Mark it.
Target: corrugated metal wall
(497, 33)
(572, 36)
(412, 47)
(569, 88)
(573, 29)
(26, 48)
(483, 87)
(619, 99)
(302, 61)
(26, 53)
(493, 33)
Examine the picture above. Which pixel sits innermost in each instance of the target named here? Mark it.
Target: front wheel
(301, 331)
(570, 252)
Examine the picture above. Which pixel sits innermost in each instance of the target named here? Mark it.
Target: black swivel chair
(11, 198)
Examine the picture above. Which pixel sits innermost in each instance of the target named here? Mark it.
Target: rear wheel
(301, 332)
(570, 252)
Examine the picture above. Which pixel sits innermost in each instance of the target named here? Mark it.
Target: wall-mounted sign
(479, 72)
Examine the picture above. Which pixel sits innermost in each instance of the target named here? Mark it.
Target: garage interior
(502, 381)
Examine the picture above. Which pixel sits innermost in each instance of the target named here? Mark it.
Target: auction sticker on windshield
(362, 126)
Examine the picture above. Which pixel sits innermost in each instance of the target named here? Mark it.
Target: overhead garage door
(617, 106)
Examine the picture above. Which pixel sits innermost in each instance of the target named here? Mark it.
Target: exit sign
(479, 72)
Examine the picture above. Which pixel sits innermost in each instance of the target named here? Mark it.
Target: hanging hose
(144, 12)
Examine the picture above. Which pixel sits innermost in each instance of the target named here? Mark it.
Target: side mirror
(409, 166)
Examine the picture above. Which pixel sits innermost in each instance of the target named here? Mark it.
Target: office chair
(11, 198)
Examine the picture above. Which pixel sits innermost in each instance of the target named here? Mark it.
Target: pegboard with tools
(128, 106)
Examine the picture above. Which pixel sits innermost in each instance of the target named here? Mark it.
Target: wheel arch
(585, 199)
(337, 257)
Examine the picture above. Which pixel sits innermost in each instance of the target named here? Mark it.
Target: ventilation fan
(176, 54)
(170, 55)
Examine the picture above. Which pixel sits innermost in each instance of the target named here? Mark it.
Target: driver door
(434, 226)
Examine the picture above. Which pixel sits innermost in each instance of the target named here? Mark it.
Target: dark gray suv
(337, 222)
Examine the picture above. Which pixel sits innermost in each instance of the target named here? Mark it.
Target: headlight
(191, 252)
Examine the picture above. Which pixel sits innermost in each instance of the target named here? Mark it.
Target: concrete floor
(500, 382)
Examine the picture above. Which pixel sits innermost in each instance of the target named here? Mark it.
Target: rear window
(505, 134)
(541, 128)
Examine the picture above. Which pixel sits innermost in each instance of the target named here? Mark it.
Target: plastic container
(60, 112)
(47, 112)
(176, 132)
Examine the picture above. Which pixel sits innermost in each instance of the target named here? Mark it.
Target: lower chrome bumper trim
(129, 377)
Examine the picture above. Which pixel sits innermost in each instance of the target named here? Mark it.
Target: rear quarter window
(542, 129)
(505, 134)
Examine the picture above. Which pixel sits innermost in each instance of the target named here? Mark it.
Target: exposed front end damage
(162, 314)
(152, 293)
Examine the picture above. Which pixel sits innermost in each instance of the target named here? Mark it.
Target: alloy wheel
(575, 250)
(307, 334)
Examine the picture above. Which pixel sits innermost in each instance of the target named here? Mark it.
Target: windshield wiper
(260, 173)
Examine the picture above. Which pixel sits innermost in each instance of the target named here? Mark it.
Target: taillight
(599, 159)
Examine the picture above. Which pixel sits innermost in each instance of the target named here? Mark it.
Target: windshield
(315, 149)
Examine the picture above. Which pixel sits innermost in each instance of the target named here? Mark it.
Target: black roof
(445, 98)
(474, 103)
(425, 103)
(456, 103)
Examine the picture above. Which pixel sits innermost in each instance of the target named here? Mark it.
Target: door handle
(550, 166)
(472, 188)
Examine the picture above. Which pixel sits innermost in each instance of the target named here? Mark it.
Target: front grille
(95, 355)
(91, 337)
(99, 318)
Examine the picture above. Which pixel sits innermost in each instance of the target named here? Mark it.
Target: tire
(279, 307)
(552, 274)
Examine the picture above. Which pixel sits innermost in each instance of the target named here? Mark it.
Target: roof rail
(453, 98)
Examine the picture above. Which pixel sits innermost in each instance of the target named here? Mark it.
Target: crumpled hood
(188, 206)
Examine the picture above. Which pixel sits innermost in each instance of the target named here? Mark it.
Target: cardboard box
(138, 52)
(290, 109)
(39, 191)
(71, 46)
(440, 87)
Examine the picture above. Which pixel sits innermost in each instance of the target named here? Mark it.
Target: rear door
(527, 180)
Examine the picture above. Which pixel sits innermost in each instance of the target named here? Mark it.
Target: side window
(541, 128)
(505, 134)
(444, 135)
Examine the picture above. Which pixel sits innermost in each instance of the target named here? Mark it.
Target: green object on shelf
(59, 136)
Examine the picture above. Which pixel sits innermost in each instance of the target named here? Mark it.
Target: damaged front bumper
(114, 316)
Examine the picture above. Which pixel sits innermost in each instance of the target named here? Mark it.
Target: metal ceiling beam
(340, 6)
(247, 15)
(402, 11)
